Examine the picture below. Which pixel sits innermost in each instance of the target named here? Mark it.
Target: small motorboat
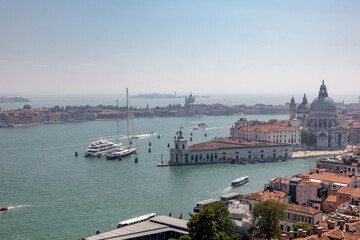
(3, 209)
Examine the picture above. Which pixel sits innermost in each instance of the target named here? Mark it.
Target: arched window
(196, 158)
(207, 156)
(192, 157)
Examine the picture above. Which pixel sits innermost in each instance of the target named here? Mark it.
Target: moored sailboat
(128, 149)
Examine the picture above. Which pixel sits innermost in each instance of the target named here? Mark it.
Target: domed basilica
(321, 120)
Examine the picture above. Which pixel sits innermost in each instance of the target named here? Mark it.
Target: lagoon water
(51, 194)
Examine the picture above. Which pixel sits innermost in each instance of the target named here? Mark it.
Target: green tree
(322, 193)
(202, 226)
(27, 106)
(305, 136)
(266, 218)
(56, 109)
(183, 237)
(312, 140)
(67, 108)
(213, 222)
(272, 121)
(223, 220)
(305, 226)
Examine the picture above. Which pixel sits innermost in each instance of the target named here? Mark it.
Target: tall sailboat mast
(117, 120)
(128, 116)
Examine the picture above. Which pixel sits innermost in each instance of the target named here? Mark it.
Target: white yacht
(100, 147)
(240, 181)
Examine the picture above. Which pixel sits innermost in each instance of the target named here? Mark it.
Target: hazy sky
(204, 47)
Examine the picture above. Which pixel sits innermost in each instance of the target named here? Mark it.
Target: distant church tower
(292, 109)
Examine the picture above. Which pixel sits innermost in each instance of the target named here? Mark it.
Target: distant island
(158, 95)
(13, 100)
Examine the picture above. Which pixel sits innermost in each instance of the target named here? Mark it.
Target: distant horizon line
(177, 95)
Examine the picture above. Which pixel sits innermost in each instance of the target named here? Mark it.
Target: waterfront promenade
(312, 154)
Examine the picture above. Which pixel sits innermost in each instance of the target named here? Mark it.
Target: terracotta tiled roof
(308, 210)
(355, 164)
(270, 128)
(331, 177)
(330, 198)
(315, 183)
(311, 183)
(303, 183)
(231, 143)
(355, 192)
(304, 175)
(265, 195)
(338, 234)
(282, 179)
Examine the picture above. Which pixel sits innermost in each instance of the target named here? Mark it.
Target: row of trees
(214, 223)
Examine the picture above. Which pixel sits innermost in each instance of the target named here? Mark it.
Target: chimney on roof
(319, 232)
(347, 220)
(331, 224)
(291, 235)
(299, 232)
(283, 236)
(342, 222)
(347, 226)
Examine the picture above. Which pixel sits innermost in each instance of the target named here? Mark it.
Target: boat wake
(228, 189)
(18, 206)
(147, 135)
(211, 128)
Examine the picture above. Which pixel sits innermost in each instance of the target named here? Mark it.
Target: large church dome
(323, 103)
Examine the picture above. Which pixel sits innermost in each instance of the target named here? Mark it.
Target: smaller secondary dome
(323, 103)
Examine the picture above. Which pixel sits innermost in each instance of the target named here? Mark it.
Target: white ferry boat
(240, 181)
(100, 147)
(136, 220)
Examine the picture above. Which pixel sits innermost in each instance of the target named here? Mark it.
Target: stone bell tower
(292, 109)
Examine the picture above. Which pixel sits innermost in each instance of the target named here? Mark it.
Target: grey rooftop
(206, 202)
(156, 225)
(230, 195)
